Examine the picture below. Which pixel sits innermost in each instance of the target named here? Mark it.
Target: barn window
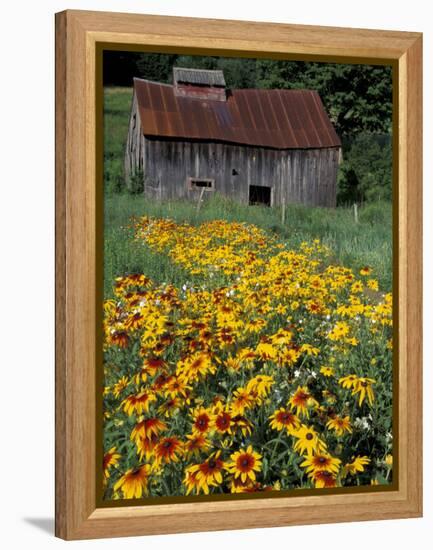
(201, 183)
(260, 194)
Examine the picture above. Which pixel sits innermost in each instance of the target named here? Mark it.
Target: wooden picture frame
(79, 34)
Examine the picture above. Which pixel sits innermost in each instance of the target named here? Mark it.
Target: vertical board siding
(306, 176)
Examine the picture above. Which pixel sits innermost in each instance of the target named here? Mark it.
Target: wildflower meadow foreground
(269, 368)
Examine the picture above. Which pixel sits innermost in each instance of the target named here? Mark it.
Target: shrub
(366, 171)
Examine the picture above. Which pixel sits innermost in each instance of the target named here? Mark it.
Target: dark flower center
(223, 421)
(246, 462)
(302, 396)
(309, 437)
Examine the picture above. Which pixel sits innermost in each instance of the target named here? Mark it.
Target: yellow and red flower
(111, 458)
(138, 403)
(134, 482)
(283, 419)
(207, 474)
(245, 464)
(168, 449)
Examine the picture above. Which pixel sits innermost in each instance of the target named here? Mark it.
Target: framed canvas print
(238, 274)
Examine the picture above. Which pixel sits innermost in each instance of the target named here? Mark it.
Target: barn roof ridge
(170, 85)
(152, 81)
(277, 118)
(203, 77)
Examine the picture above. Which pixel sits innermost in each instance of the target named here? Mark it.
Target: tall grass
(368, 242)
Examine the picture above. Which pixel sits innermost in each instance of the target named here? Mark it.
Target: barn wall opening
(200, 183)
(260, 194)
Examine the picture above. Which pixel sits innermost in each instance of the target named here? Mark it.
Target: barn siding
(306, 176)
(134, 154)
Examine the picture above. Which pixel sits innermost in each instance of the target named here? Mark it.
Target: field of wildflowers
(269, 367)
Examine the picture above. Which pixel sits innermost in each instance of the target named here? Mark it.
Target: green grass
(368, 242)
(117, 106)
(354, 245)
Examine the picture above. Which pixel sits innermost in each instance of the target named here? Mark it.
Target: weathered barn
(257, 146)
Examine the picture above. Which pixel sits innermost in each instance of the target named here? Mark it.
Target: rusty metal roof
(281, 119)
(199, 77)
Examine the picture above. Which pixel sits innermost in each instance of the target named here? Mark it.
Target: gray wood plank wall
(306, 176)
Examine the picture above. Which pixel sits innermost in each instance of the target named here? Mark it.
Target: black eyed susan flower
(202, 420)
(242, 400)
(134, 321)
(120, 385)
(373, 284)
(145, 447)
(153, 365)
(207, 474)
(190, 481)
(327, 371)
(357, 287)
(241, 424)
(340, 425)
(236, 485)
(196, 444)
(159, 383)
(138, 403)
(349, 381)
(266, 351)
(175, 387)
(339, 331)
(192, 368)
(320, 462)
(244, 464)
(363, 387)
(119, 338)
(324, 479)
(366, 270)
(168, 449)
(148, 429)
(283, 419)
(357, 465)
(222, 420)
(308, 441)
(111, 458)
(302, 401)
(170, 406)
(260, 386)
(134, 482)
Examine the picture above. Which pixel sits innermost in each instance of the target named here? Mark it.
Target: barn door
(260, 194)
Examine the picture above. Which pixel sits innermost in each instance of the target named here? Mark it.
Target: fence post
(355, 212)
(200, 199)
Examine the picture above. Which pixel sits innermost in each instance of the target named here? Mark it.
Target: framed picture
(238, 274)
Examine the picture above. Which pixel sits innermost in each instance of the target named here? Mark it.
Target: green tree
(366, 171)
(157, 66)
(238, 73)
(358, 98)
